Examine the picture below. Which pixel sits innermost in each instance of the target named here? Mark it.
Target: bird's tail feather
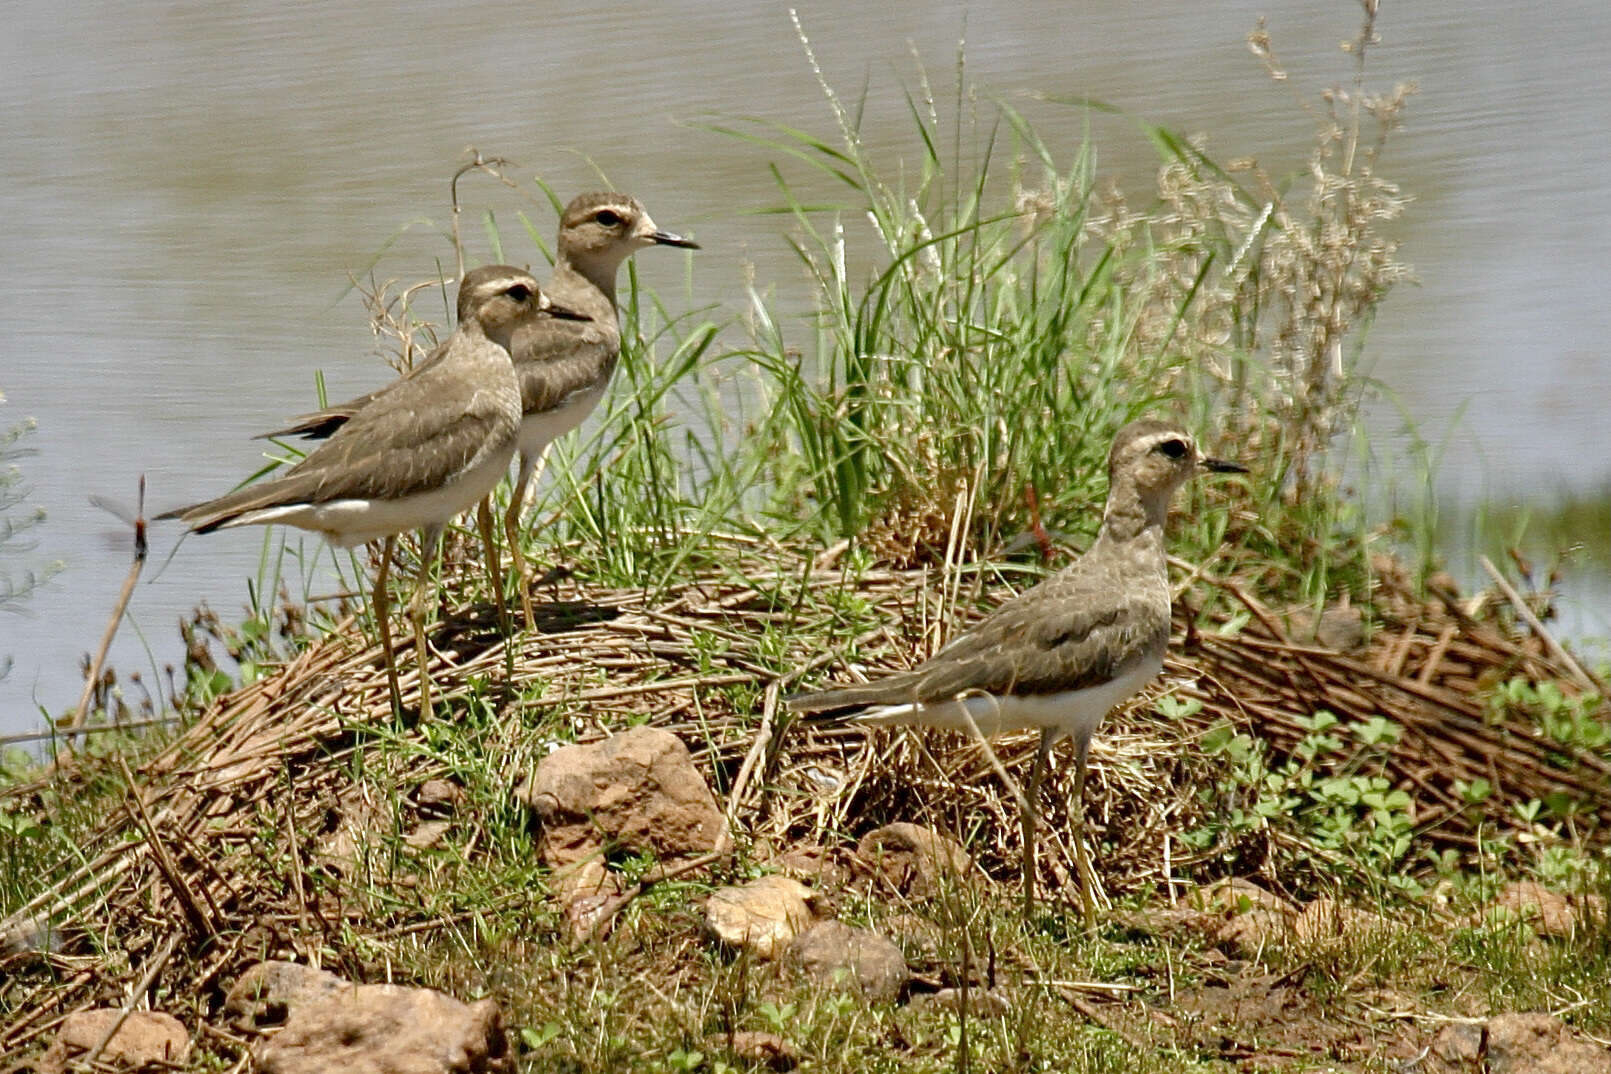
(842, 701)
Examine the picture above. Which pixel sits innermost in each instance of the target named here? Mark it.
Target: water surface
(187, 189)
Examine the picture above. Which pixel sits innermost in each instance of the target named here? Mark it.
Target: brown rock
(1326, 919)
(835, 953)
(753, 1046)
(762, 916)
(1237, 896)
(438, 797)
(913, 859)
(1514, 1044)
(637, 791)
(1457, 1047)
(144, 1038)
(428, 834)
(1247, 935)
(1539, 1044)
(587, 893)
(389, 1029)
(1550, 913)
(268, 992)
(982, 1002)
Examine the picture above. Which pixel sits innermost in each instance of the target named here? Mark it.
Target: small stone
(389, 1029)
(1235, 895)
(587, 892)
(438, 797)
(835, 953)
(1458, 1044)
(144, 1038)
(268, 992)
(1326, 919)
(1548, 912)
(762, 916)
(754, 1046)
(428, 834)
(914, 860)
(636, 791)
(1249, 934)
(982, 1002)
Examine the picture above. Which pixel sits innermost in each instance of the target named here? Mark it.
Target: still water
(188, 188)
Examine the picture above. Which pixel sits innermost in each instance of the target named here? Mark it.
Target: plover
(1060, 656)
(564, 365)
(418, 452)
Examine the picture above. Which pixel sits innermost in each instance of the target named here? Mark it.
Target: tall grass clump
(982, 321)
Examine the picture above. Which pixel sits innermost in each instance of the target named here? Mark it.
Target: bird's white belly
(345, 523)
(537, 431)
(1069, 712)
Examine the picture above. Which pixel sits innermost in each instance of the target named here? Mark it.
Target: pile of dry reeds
(197, 863)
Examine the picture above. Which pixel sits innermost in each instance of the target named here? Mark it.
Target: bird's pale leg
(1027, 815)
(530, 467)
(430, 537)
(1082, 860)
(381, 605)
(483, 522)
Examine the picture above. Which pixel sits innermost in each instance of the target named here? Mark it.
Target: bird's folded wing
(416, 436)
(1074, 630)
(554, 359)
(322, 424)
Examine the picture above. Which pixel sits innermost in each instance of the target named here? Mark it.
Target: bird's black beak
(671, 238)
(564, 313)
(1220, 466)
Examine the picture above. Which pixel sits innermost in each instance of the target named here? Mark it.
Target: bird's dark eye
(519, 292)
(1175, 449)
(607, 218)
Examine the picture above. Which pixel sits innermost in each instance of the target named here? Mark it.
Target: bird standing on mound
(1059, 656)
(563, 365)
(418, 452)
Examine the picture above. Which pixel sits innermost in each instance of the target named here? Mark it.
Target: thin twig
(121, 605)
(135, 993)
(96, 729)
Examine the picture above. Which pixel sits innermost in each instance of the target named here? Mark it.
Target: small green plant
(1171, 707)
(534, 1038)
(778, 1016)
(1580, 722)
(685, 1060)
(1315, 793)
